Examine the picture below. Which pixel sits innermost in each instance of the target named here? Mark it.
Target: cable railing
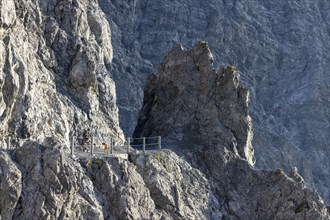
(143, 143)
(95, 145)
(102, 146)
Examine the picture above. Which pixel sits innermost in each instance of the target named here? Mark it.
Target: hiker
(105, 148)
(86, 138)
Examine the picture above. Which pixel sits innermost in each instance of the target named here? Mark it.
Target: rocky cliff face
(39, 181)
(55, 59)
(203, 114)
(191, 102)
(281, 48)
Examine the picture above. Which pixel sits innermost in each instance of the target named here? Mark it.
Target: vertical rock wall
(54, 70)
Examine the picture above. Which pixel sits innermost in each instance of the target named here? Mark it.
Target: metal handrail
(111, 144)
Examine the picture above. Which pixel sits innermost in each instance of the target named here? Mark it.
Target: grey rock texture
(55, 59)
(39, 181)
(249, 193)
(10, 185)
(191, 102)
(203, 114)
(121, 189)
(53, 186)
(176, 188)
(129, 69)
(54, 70)
(281, 47)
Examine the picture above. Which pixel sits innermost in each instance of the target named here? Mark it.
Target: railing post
(8, 143)
(111, 146)
(92, 146)
(144, 144)
(159, 142)
(128, 144)
(72, 145)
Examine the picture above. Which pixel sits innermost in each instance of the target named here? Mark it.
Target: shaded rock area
(39, 181)
(55, 59)
(10, 185)
(202, 114)
(191, 102)
(129, 70)
(281, 47)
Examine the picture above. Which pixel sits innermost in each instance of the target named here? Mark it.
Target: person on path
(86, 138)
(105, 148)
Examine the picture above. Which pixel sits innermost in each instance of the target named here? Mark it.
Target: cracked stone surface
(40, 181)
(281, 48)
(202, 114)
(61, 69)
(54, 71)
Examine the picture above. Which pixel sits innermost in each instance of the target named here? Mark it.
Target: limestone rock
(177, 188)
(54, 71)
(203, 115)
(295, 176)
(53, 185)
(129, 70)
(40, 181)
(121, 189)
(7, 13)
(10, 185)
(55, 60)
(191, 102)
(280, 46)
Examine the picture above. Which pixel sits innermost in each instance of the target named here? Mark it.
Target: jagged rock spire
(202, 114)
(190, 102)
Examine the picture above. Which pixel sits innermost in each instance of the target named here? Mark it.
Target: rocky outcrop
(39, 181)
(10, 186)
(281, 47)
(55, 59)
(176, 188)
(191, 102)
(202, 114)
(53, 186)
